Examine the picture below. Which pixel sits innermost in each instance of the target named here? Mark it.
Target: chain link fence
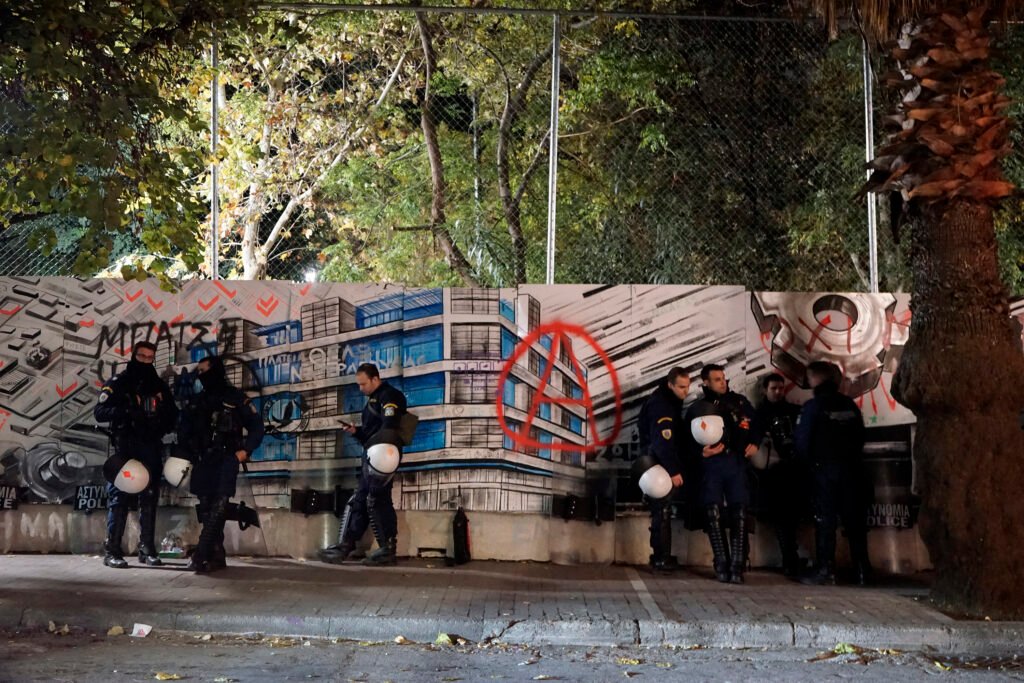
(18, 253)
(739, 166)
(384, 146)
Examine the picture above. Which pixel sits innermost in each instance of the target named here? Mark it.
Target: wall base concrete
(493, 536)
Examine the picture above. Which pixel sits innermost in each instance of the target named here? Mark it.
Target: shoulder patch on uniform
(664, 419)
(390, 409)
(666, 434)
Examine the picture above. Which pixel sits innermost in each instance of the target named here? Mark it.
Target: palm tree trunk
(962, 373)
(962, 370)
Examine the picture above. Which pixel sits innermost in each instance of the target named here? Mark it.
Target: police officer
(830, 437)
(220, 430)
(140, 409)
(781, 482)
(659, 424)
(723, 469)
(371, 504)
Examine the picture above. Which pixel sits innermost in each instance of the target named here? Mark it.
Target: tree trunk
(962, 370)
(962, 373)
(428, 123)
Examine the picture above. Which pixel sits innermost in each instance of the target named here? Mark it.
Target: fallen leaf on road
(116, 631)
(281, 642)
(630, 674)
(224, 679)
(64, 630)
(401, 640)
(545, 677)
(663, 665)
(823, 656)
(943, 666)
(627, 661)
(846, 649)
(890, 651)
(206, 636)
(810, 607)
(161, 676)
(51, 627)
(528, 662)
(443, 639)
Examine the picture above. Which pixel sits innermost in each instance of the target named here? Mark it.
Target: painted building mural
(527, 397)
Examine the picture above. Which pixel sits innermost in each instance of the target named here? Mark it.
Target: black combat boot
(738, 543)
(219, 558)
(147, 523)
(112, 553)
(337, 553)
(661, 558)
(791, 563)
(340, 551)
(862, 572)
(385, 555)
(202, 560)
(716, 534)
(825, 557)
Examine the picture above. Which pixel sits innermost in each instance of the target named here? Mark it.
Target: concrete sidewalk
(514, 602)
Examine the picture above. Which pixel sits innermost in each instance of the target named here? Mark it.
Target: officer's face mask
(204, 380)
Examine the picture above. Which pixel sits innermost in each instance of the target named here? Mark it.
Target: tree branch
(513, 107)
(253, 255)
(534, 164)
(437, 209)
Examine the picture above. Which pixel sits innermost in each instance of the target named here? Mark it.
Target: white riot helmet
(708, 429)
(176, 470)
(656, 482)
(383, 458)
(132, 477)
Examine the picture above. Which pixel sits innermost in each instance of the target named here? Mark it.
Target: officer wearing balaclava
(140, 409)
(220, 430)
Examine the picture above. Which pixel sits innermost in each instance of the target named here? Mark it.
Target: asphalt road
(82, 656)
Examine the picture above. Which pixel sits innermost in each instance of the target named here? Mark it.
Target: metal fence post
(869, 152)
(214, 246)
(556, 66)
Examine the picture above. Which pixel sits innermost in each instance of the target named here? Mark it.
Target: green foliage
(690, 151)
(299, 96)
(1010, 217)
(87, 94)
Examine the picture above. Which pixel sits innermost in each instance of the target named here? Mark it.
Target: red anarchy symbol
(560, 335)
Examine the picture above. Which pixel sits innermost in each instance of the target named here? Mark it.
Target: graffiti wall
(527, 397)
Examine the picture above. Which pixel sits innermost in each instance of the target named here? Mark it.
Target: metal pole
(323, 6)
(556, 67)
(476, 162)
(869, 151)
(214, 204)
